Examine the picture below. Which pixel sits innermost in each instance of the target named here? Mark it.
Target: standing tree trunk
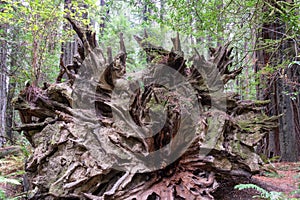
(9, 111)
(3, 85)
(11, 89)
(281, 88)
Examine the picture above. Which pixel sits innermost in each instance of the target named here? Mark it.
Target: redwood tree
(281, 82)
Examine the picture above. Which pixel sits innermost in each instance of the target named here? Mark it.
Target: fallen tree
(168, 132)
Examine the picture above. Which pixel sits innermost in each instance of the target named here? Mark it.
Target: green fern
(273, 195)
(251, 186)
(9, 181)
(2, 194)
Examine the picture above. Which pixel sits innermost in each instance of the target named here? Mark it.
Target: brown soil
(286, 180)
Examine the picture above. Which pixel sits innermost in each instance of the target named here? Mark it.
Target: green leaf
(293, 63)
(2, 194)
(9, 180)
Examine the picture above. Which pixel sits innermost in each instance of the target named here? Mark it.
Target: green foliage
(294, 63)
(11, 181)
(297, 177)
(25, 146)
(11, 171)
(34, 34)
(273, 175)
(124, 18)
(264, 194)
(2, 194)
(213, 22)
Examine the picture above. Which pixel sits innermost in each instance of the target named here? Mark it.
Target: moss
(245, 125)
(261, 102)
(223, 163)
(238, 149)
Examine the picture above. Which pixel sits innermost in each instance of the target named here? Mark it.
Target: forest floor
(286, 180)
(11, 173)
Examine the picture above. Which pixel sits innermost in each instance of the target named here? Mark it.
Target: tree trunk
(14, 49)
(168, 132)
(9, 111)
(281, 90)
(3, 84)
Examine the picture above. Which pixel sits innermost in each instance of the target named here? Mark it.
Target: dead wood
(90, 143)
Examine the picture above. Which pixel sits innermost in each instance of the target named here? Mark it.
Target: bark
(11, 87)
(280, 88)
(9, 112)
(3, 84)
(168, 132)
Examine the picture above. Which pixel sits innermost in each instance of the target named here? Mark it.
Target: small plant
(273, 175)
(264, 194)
(5, 180)
(2, 194)
(284, 168)
(297, 177)
(12, 181)
(11, 168)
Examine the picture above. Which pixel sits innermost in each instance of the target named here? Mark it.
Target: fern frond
(250, 186)
(273, 195)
